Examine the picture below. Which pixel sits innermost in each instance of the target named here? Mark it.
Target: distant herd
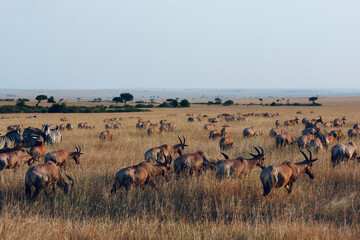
(29, 147)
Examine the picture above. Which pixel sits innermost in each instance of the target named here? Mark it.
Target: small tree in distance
(51, 100)
(126, 97)
(313, 99)
(39, 98)
(117, 100)
(184, 103)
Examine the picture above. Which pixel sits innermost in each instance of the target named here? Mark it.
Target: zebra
(52, 135)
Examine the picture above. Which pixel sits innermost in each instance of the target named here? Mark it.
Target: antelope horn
(306, 158)
(180, 140)
(225, 156)
(253, 155)
(184, 139)
(310, 153)
(262, 150)
(257, 150)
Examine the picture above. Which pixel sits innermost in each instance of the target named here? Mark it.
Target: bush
(228, 103)
(164, 105)
(184, 103)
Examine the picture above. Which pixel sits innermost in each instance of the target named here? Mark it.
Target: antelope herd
(159, 160)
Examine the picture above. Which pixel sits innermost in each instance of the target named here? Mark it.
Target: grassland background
(327, 207)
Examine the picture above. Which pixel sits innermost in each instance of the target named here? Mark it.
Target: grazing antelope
(329, 124)
(209, 126)
(192, 162)
(304, 141)
(164, 121)
(172, 126)
(37, 151)
(291, 122)
(285, 174)
(213, 120)
(106, 135)
(224, 130)
(274, 132)
(251, 132)
(343, 152)
(316, 144)
(43, 176)
(339, 122)
(240, 166)
(63, 119)
(118, 125)
(226, 143)
(83, 125)
(231, 119)
(278, 123)
(152, 130)
(52, 136)
(214, 134)
(354, 132)
(69, 126)
(153, 154)
(59, 157)
(284, 139)
(62, 126)
(338, 134)
(143, 173)
(109, 126)
(327, 140)
(312, 123)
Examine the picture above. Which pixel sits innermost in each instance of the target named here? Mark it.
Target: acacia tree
(39, 98)
(126, 97)
(117, 100)
(313, 99)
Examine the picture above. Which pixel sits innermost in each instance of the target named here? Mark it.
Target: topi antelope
(339, 122)
(354, 132)
(240, 166)
(285, 174)
(304, 141)
(209, 126)
(329, 124)
(190, 163)
(338, 134)
(143, 173)
(316, 144)
(13, 159)
(226, 143)
(106, 135)
(224, 130)
(251, 132)
(43, 176)
(284, 139)
(69, 126)
(278, 123)
(214, 134)
(153, 154)
(152, 130)
(36, 151)
(274, 132)
(62, 126)
(343, 152)
(291, 122)
(59, 157)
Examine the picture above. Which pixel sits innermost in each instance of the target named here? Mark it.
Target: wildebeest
(240, 166)
(59, 157)
(274, 132)
(250, 132)
(106, 135)
(226, 143)
(153, 154)
(343, 152)
(285, 174)
(143, 173)
(192, 162)
(284, 139)
(52, 135)
(43, 176)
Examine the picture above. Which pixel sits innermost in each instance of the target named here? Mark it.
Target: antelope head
(259, 156)
(76, 155)
(309, 162)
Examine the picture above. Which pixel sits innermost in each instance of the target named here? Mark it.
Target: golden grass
(200, 207)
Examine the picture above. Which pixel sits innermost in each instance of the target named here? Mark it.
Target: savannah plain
(197, 207)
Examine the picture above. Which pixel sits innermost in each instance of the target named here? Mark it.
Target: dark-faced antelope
(285, 174)
(339, 122)
(278, 123)
(291, 122)
(153, 154)
(59, 157)
(274, 132)
(37, 151)
(143, 173)
(13, 159)
(224, 130)
(240, 166)
(329, 124)
(251, 132)
(106, 135)
(343, 152)
(226, 143)
(209, 126)
(44, 176)
(152, 130)
(69, 126)
(62, 126)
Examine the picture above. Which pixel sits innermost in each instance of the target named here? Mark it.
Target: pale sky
(95, 44)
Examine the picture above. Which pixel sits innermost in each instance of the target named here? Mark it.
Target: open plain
(197, 207)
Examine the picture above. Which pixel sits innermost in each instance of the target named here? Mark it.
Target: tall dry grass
(190, 208)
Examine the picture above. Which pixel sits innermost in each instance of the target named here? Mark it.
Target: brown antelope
(339, 122)
(285, 174)
(153, 154)
(83, 125)
(37, 151)
(316, 144)
(312, 130)
(329, 124)
(109, 126)
(13, 159)
(304, 120)
(69, 126)
(338, 134)
(59, 157)
(304, 141)
(172, 126)
(214, 134)
(62, 126)
(291, 122)
(313, 122)
(143, 173)
(327, 140)
(354, 132)
(164, 128)
(343, 152)
(240, 166)
(251, 132)
(152, 130)
(226, 143)
(118, 125)
(190, 163)
(274, 132)
(63, 119)
(164, 121)
(224, 130)
(278, 123)
(106, 135)
(43, 176)
(356, 126)
(209, 126)
(284, 139)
